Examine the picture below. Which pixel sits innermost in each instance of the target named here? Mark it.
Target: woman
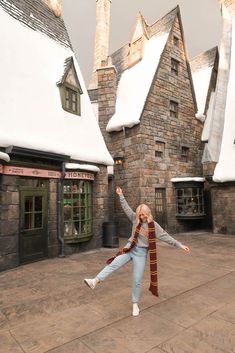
(142, 240)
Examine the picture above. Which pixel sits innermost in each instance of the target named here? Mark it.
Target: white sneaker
(91, 282)
(136, 310)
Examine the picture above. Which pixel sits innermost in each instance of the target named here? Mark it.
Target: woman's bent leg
(118, 262)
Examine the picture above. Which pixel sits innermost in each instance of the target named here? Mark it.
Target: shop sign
(79, 175)
(41, 173)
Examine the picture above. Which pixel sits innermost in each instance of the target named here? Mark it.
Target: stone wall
(9, 222)
(143, 172)
(223, 208)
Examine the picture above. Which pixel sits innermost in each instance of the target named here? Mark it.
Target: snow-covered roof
(91, 168)
(225, 168)
(133, 87)
(202, 66)
(208, 122)
(31, 114)
(37, 15)
(162, 25)
(179, 180)
(4, 157)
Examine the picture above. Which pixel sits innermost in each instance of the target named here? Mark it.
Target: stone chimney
(55, 6)
(101, 50)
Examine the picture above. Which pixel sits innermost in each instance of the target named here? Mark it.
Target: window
(77, 210)
(184, 153)
(176, 41)
(70, 88)
(160, 149)
(190, 201)
(33, 213)
(174, 67)
(71, 100)
(174, 107)
(136, 51)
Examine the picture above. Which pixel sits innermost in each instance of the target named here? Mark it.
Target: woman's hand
(119, 191)
(185, 248)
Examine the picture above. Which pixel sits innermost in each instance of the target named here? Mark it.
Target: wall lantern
(118, 159)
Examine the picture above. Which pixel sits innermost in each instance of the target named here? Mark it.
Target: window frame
(176, 41)
(174, 112)
(159, 152)
(175, 67)
(66, 87)
(190, 202)
(77, 215)
(184, 154)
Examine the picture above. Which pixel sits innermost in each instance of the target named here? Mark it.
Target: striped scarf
(152, 255)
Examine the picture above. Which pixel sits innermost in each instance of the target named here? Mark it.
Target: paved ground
(45, 307)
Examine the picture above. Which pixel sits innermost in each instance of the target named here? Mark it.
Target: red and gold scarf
(152, 255)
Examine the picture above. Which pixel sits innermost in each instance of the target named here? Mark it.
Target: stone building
(219, 128)
(146, 107)
(53, 158)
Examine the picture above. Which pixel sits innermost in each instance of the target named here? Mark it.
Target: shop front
(46, 213)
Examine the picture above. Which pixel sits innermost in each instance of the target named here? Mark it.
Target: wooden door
(160, 207)
(33, 224)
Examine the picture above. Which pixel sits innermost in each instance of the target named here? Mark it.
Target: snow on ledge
(178, 180)
(4, 156)
(135, 84)
(91, 168)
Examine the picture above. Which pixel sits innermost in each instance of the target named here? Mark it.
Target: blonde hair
(145, 209)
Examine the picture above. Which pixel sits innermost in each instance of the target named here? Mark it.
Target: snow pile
(31, 115)
(179, 180)
(134, 86)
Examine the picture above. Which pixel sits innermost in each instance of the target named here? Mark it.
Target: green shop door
(33, 225)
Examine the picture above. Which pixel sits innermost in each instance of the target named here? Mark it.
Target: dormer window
(138, 41)
(70, 89)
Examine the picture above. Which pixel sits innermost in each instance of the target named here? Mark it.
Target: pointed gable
(70, 75)
(135, 82)
(138, 41)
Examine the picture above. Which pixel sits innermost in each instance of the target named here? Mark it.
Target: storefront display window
(189, 193)
(190, 202)
(77, 210)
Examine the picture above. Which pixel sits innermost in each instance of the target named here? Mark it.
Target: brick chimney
(55, 6)
(101, 37)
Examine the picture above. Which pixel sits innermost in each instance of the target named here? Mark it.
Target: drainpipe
(59, 212)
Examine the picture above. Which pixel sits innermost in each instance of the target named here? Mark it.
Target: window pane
(38, 203)
(28, 221)
(38, 220)
(29, 204)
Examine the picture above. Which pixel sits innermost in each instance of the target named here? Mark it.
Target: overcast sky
(201, 21)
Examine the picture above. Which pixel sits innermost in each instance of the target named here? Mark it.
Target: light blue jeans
(139, 257)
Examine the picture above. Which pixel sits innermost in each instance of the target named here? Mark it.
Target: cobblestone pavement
(45, 306)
